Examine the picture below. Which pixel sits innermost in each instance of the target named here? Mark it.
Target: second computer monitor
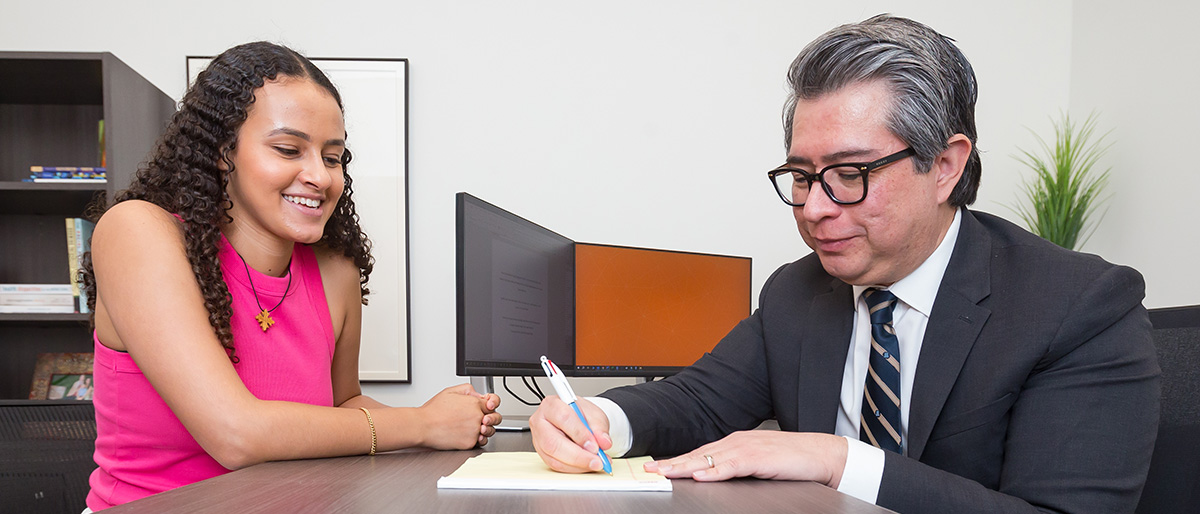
(645, 312)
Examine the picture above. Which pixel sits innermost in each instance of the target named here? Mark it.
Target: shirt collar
(919, 289)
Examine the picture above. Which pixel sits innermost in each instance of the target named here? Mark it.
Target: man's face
(904, 215)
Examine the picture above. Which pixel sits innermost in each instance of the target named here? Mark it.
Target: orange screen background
(641, 307)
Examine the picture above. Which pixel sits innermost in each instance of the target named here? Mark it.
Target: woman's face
(287, 175)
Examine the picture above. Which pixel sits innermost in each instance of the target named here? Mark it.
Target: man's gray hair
(932, 83)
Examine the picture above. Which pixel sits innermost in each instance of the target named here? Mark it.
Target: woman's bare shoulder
(134, 218)
(335, 265)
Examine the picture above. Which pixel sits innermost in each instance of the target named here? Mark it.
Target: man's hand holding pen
(564, 443)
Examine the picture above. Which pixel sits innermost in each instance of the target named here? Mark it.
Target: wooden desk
(406, 481)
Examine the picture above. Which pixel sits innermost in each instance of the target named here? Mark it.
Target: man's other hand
(767, 454)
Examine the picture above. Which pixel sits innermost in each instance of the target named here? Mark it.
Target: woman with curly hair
(227, 285)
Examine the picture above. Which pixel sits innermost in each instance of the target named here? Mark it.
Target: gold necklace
(264, 315)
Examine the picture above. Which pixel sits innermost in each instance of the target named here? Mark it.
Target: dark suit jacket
(1037, 385)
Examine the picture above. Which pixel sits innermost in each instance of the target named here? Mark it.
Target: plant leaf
(1065, 191)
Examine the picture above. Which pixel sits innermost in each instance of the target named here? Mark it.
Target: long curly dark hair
(184, 176)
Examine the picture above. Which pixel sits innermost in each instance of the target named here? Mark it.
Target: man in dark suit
(925, 357)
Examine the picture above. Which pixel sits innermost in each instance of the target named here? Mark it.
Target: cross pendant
(264, 320)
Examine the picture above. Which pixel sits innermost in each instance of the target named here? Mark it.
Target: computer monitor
(515, 292)
(642, 312)
(597, 310)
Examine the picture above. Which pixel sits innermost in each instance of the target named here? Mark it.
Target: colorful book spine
(67, 169)
(16, 289)
(83, 244)
(72, 260)
(68, 180)
(103, 150)
(79, 238)
(67, 174)
(30, 298)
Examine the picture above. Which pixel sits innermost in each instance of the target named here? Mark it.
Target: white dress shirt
(917, 291)
(864, 463)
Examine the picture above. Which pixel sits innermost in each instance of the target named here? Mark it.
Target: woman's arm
(451, 419)
(74, 388)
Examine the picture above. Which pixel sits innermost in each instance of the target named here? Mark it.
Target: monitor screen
(515, 292)
(597, 310)
(642, 312)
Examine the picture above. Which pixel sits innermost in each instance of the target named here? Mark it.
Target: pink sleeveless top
(143, 449)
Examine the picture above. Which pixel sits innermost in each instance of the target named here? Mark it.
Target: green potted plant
(1063, 195)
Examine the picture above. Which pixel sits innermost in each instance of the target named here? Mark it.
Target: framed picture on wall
(62, 376)
(375, 98)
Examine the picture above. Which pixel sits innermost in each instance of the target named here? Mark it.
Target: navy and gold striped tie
(880, 425)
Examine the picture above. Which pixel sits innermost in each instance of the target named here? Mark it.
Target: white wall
(1135, 62)
(624, 122)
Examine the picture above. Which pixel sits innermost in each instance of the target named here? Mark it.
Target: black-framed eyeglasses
(845, 183)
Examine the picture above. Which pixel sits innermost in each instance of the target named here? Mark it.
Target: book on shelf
(36, 298)
(79, 239)
(39, 309)
(35, 289)
(69, 170)
(68, 174)
(103, 151)
(69, 180)
(72, 261)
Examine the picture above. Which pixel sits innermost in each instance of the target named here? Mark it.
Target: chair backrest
(46, 452)
(1174, 481)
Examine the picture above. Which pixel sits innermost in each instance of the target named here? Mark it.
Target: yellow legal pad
(525, 470)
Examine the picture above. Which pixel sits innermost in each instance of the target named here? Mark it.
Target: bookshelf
(51, 104)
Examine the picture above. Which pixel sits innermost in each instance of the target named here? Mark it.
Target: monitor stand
(484, 385)
(487, 385)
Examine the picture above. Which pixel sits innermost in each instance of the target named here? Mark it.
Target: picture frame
(69, 368)
(375, 101)
(70, 386)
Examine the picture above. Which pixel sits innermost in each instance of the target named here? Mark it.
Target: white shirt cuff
(619, 429)
(863, 472)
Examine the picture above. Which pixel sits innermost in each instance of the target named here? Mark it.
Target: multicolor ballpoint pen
(567, 395)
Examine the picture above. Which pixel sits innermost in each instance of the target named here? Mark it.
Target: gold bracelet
(374, 440)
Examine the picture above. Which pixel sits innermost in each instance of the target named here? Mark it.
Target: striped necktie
(880, 425)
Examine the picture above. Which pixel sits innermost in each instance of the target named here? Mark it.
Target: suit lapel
(824, 343)
(953, 327)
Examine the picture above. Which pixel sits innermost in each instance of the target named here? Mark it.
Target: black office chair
(1173, 485)
(46, 451)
